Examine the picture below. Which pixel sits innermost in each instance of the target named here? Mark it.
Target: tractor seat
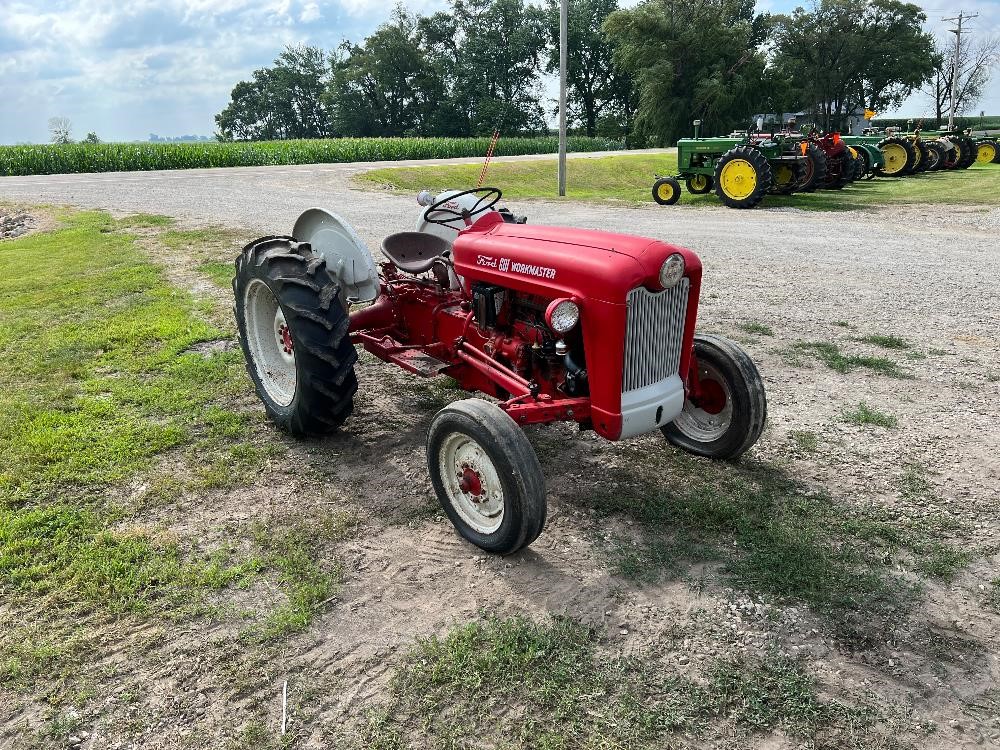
(414, 252)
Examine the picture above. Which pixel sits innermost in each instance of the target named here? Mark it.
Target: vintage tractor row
(548, 323)
(745, 166)
(916, 151)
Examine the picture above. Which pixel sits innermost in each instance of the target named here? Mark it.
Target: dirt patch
(16, 223)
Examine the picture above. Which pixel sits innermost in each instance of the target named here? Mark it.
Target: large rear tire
(729, 417)
(814, 171)
(742, 177)
(987, 152)
(969, 152)
(936, 154)
(486, 476)
(899, 156)
(293, 331)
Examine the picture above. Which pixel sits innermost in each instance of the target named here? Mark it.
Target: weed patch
(863, 414)
(830, 355)
(886, 342)
(756, 328)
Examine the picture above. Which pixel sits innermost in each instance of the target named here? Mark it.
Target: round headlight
(672, 270)
(562, 315)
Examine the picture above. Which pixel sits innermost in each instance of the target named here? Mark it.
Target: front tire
(666, 191)
(293, 331)
(486, 476)
(729, 416)
(698, 184)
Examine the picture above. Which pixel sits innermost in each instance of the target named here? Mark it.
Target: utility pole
(958, 55)
(563, 33)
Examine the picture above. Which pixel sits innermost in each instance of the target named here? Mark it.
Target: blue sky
(129, 68)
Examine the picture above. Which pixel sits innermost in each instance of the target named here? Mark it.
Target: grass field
(130, 157)
(630, 178)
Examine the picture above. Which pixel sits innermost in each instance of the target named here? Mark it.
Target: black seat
(414, 252)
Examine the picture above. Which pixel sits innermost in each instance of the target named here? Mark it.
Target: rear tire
(899, 156)
(742, 177)
(486, 476)
(293, 331)
(969, 152)
(666, 191)
(935, 156)
(730, 418)
(987, 152)
(814, 173)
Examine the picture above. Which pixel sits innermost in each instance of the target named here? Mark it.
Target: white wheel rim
(270, 342)
(459, 459)
(700, 425)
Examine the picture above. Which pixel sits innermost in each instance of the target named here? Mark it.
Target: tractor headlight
(562, 315)
(672, 270)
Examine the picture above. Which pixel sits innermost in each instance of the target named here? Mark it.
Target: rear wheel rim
(706, 425)
(986, 154)
(895, 158)
(471, 482)
(272, 350)
(738, 179)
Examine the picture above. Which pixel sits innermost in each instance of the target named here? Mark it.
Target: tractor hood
(561, 261)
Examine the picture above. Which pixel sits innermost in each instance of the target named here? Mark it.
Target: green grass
(130, 157)
(756, 328)
(830, 355)
(805, 440)
(992, 598)
(630, 177)
(97, 388)
(886, 342)
(863, 414)
(516, 683)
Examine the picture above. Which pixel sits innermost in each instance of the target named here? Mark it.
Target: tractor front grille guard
(654, 335)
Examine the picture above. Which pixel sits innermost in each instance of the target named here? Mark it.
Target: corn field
(133, 157)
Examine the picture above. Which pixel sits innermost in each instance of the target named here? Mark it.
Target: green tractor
(742, 169)
(866, 147)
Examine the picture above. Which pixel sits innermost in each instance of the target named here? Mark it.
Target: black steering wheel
(488, 199)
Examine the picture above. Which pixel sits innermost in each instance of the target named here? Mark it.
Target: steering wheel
(487, 200)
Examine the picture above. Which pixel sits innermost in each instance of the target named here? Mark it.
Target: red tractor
(550, 323)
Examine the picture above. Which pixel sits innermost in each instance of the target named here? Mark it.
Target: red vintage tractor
(550, 323)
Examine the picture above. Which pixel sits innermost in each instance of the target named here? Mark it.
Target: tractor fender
(347, 256)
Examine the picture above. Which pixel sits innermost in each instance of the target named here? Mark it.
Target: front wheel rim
(471, 482)
(272, 350)
(707, 426)
(665, 191)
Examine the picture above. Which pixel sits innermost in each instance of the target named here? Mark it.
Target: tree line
(642, 73)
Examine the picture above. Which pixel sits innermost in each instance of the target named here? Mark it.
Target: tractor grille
(654, 333)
